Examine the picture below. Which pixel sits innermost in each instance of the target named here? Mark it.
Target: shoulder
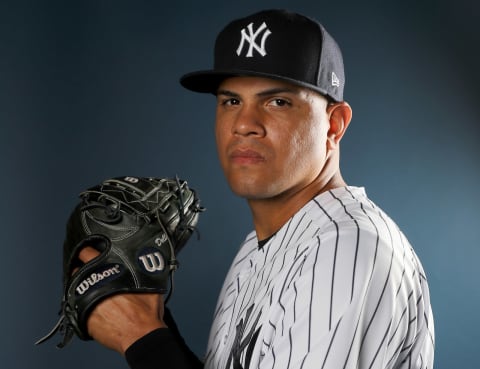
(355, 239)
(348, 216)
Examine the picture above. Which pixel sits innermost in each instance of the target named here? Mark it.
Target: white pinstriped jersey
(338, 286)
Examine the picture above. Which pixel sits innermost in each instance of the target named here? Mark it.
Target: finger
(87, 254)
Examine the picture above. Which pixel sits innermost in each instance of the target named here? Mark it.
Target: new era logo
(335, 80)
(251, 38)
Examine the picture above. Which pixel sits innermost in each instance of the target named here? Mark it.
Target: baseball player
(326, 279)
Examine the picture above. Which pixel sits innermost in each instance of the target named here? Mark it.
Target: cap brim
(207, 81)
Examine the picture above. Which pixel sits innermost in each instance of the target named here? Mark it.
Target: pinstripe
(282, 242)
(291, 272)
(377, 240)
(379, 301)
(290, 351)
(430, 334)
(403, 275)
(294, 305)
(274, 357)
(330, 344)
(245, 257)
(294, 271)
(380, 346)
(404, 310)
(334, 262)
(311, 302)
(399, 346)
(357, 242)
(309, 327)
(403, 316)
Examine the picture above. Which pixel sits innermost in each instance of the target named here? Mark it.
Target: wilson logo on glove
(152, 262)
(96, 278)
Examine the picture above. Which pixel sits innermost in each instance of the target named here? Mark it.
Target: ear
(340, 115)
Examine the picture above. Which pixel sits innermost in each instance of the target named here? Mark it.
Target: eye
(229, 101)
(280, 102)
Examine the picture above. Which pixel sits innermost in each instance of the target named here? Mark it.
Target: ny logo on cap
(251, 39)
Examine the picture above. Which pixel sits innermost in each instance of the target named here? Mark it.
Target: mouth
(246, 156)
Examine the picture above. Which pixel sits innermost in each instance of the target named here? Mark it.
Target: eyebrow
(268, 92)
(227, 93)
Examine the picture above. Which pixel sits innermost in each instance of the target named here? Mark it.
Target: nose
(248, 122)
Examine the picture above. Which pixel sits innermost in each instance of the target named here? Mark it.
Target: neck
(269, 215)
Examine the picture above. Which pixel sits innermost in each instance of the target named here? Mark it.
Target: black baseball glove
(138, 225)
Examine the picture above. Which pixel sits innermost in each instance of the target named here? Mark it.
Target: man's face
(271, 136)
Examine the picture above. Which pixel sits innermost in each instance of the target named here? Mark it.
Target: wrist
(137, 334)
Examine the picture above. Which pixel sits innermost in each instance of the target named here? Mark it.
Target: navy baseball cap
(274, 44)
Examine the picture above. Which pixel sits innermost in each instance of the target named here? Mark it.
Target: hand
(118, 321)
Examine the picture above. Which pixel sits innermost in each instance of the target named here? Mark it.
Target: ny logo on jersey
(243, 343)
(251, 39)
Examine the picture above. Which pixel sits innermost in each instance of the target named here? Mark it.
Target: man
(326, 279)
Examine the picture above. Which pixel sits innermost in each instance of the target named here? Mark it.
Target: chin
(246, 190)
(251, 191)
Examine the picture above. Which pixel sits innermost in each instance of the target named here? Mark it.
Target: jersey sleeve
(357, 300)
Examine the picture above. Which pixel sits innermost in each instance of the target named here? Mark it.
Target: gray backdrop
(89, 90)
